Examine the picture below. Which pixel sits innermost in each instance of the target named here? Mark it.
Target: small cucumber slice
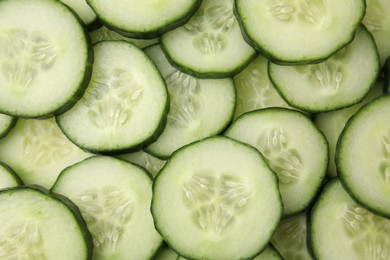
(81, 7)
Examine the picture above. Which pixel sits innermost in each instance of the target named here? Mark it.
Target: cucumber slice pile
(195, 129)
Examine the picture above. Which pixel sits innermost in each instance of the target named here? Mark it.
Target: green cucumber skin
(10, 127)
(386, 74)
(154, 33)
(282, 61)
(69, 204)
(13, 173)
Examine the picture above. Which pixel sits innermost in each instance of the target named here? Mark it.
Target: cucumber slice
(144, 19)
(125, 105)
(8, 178)
(293, 147)
(37, 224)
(377, 22)
(363, 156)
(290, 238)
(114, 198)
(342, 229)
(342, 80)
(332, 124)
(196, 109)
(299, 31)
(210, 45)
(6, 124)
(255, 90)
(105, 34)
(150, 163)
(37, 151)
(46, 60)
(207, 194)
(84, 11)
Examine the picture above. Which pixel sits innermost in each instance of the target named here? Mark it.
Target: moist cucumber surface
(208, 192)
(43, 71)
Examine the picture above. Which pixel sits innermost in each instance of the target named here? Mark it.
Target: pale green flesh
(210, 43)
(302, 31)
(141, 16)
(333, 122)
(341, 229)
(254, 88)
(35, 226)
(37, 151)
(152, 164)
(82, 9)
(342, 80)
(7, 178)
(42, 69)
(290, 238)
(114, 198)
(222, 178)
(269, 253)
(378, 23)
(125, 102)
(196, 110)
(105, 34)
(294, 148)
(363, 155)
(5, 123)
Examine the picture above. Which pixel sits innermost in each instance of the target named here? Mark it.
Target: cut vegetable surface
(125, 105)
(294, 148)
(363, 156)
(299, 31)
(114, 198)
(46, 58)
(207, 194)
(37, 224)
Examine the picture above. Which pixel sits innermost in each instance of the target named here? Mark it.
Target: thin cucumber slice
(210, 44)
(114, 198)
(363, 156)
(37, 151)
(290, 238)
(342, 80)
(332, 124)
(8, 178)
(84, 11)
(342, 229)
(377, 22)
(299, 31)
(46, 61)
(269, 253)
(208, 192)
(150, 163)
(125, 105)
(144, 19)
(255, 90)
(196, 110)
(105, 34)
(37, 224)
(294, 148)
(6, 124)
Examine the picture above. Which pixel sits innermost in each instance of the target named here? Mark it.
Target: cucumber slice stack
(190, 129)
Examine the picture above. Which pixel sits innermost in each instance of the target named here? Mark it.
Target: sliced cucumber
(342, 80)
(196, 110)
(290, 238)
(332, 123)
(342, 229)
(6, 124)
(46, 58)
(125, 105)
(255, 90)
(152, 164)
(105, 34)
(144, 19)
(377, 22)
(210, 44)
(37, 224)
(363, 156)
(81, 7)
(293, 147)
(299, 31)
(207, 194)
(8, 178)
(37, 151)
(114, 198)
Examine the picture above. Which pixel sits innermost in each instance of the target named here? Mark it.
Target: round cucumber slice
(208, 192)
